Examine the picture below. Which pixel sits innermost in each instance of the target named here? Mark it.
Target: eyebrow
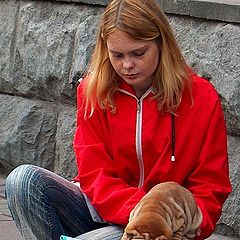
(145, 47)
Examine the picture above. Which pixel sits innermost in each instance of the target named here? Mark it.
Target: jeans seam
(48, 218)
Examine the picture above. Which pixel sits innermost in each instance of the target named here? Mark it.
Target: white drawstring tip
(80, 79)
(173, 158)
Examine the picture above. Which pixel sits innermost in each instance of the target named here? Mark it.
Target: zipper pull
(138, 106)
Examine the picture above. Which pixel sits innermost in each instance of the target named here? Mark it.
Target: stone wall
(45, 47)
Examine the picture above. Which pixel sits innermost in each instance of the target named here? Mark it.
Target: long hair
(142, 19)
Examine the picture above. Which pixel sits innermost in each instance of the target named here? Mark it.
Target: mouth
(130, 76)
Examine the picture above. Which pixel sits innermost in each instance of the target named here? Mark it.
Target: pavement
(8, 230)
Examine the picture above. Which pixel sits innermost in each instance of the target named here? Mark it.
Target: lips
(130, 76)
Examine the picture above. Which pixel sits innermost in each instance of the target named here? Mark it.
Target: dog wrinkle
(168, 211)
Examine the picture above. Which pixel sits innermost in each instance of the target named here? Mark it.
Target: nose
(128, 63)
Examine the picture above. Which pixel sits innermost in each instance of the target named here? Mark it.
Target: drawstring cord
(173, 137)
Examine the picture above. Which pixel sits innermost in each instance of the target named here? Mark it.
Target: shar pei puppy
(167, 211)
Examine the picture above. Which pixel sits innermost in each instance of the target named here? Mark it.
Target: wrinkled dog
(167, 211)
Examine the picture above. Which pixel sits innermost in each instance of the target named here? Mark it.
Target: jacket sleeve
(111, 196)
(209, 182)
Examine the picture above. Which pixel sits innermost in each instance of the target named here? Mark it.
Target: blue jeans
(45, 206)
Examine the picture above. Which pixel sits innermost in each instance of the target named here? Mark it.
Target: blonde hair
(142, 19)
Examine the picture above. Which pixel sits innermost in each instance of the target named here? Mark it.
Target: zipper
(138, 134)
(138, 141)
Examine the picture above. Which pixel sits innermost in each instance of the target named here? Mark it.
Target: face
(134, 60)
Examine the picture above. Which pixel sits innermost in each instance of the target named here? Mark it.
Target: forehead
(121, 41)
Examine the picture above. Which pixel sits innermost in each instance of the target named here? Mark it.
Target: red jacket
(122, 155)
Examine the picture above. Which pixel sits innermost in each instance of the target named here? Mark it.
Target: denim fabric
(45, 206)
(95, 216)
(106, 233)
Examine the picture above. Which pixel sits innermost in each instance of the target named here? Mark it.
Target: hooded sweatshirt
(122, 155)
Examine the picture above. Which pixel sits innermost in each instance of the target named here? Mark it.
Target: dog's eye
(130, 236)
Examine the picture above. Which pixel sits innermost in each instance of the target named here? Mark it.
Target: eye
(138, 53)
(130, 236)
(117, 55)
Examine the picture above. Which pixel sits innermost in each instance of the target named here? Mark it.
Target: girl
(143, 118)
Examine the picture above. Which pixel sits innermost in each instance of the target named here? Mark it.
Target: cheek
(153, 62)
(150, 65)
(116, 65)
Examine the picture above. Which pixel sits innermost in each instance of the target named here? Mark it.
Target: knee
(18, 180)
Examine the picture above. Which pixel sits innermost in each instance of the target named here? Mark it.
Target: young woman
(143, 118)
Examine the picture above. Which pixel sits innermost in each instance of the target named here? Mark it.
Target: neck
(140, 92)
